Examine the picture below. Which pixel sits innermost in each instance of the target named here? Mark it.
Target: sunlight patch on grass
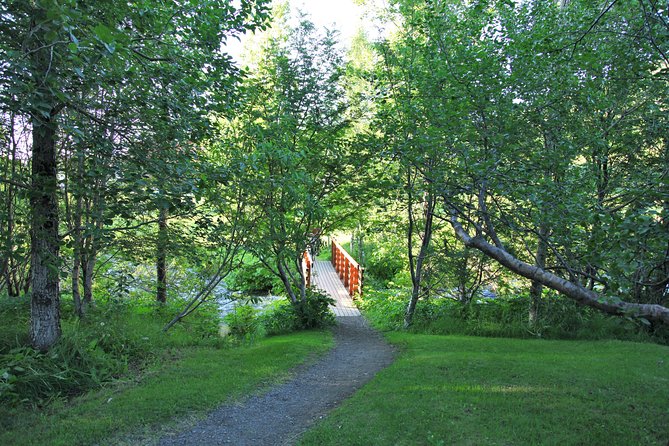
(458, 390)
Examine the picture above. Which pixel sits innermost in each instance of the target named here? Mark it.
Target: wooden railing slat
(349, 271)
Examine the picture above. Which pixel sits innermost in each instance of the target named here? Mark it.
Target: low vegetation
(503, 316)
(116, 374)
(466, 303)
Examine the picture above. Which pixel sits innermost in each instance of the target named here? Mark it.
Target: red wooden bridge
(341, 278)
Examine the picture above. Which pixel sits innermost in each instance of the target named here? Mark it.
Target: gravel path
(286, 411)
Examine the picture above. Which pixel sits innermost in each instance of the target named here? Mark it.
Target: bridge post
(347, 267)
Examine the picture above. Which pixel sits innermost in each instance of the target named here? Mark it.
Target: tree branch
(571, 290)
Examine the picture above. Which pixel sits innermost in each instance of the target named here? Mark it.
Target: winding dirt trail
(279, 416)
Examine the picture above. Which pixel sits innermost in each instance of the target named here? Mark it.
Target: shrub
(92, 351)
(254, 278)
(15, 313)
(384, 264)
(285, 317)
(384, 308)
(560, 318)
(315, 311)
(279, 318)
(203, 324)
(243, 322)
(74, 365)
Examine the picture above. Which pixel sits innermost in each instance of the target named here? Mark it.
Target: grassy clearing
(456, 390)
(185, 384)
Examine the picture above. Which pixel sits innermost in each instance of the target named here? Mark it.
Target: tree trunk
(76, 275)
(417, 265)
(88, 256)
(161, 258)
(283, 274)
(572, 290)
(89, 267)
(537, 287)
(10, 264)
(95, 216)
(302, 283)
(361, 246)
(78, 240)
(44, 304)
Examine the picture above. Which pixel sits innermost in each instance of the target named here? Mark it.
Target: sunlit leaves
(553, 112)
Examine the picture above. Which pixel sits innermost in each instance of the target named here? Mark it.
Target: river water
(227, 300)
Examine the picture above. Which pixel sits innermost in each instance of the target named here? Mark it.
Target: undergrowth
(120, 336)
(282, 317)
(113, 338)
(560, 318)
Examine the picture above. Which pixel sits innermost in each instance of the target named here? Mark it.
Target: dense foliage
(535, 133)
(501, 165)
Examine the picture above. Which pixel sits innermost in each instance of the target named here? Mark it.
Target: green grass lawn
(199, 379)
(455, 390)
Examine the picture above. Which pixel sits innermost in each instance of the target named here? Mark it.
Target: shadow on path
(279, 416)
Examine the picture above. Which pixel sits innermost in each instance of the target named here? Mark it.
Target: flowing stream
(227, 303)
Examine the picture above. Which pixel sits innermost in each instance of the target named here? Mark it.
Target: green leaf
(104, 34)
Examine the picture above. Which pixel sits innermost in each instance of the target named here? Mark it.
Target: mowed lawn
(452, 390)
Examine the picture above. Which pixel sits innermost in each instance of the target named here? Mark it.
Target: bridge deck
(326, 278)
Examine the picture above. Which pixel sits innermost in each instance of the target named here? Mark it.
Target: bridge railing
(307, 267)
(350, 272)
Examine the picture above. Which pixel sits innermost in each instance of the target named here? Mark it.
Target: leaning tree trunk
(285, 279)
(575, 291)
(302, 288)
(44, 304)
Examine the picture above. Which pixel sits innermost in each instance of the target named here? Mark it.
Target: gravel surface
(281, 415)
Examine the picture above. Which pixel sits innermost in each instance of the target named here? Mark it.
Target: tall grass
(115, 372)
(114, 337)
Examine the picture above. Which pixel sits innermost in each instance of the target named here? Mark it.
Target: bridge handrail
(350, 272)
(307, 266)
